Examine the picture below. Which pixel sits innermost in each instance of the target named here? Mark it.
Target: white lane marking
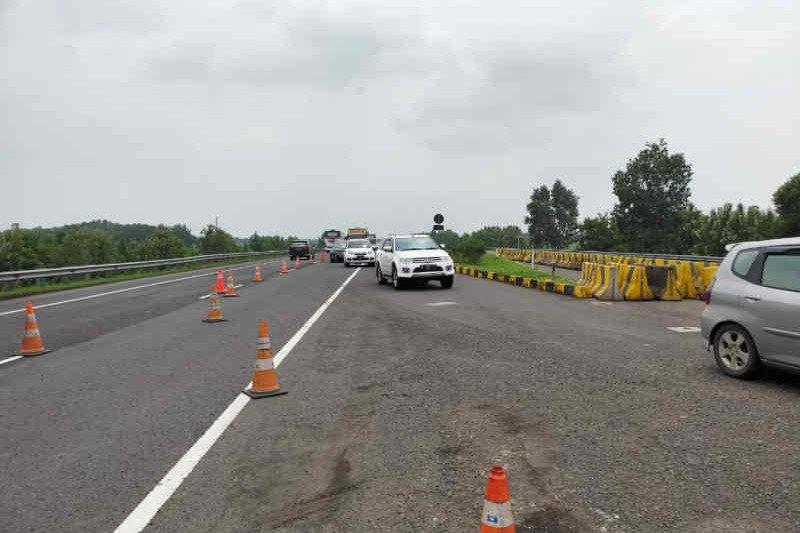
(595, 302)
(119, 291)
(436, 304)
(684, 329)
(14, 358)
(223, 294)
(161, 493)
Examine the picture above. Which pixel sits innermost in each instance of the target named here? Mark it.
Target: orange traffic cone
(265, 377)
(214, 310)
(257, 274)
(497, 516)
(31, 340)
(230, 289)
(284, 267)
(220, 287)
(297, 264)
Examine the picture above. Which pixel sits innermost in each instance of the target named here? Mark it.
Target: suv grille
(426, 259)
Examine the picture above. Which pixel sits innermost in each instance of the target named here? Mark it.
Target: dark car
(337, 251)
(300, 249)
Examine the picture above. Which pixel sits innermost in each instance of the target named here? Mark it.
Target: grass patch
(506, 267)
(103, 278)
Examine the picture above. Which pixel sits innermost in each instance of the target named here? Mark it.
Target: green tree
(163, 243)
(82, 246)
(596, 233)
(447, 237)
(787, 203)
(214, 240)
(565, 214)
(541, 219)
(16, 251)
(652, 192)
(183, 234)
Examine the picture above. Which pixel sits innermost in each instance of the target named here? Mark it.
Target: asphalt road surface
(399, 402)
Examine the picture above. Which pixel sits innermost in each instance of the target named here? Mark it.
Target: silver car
(753, 311)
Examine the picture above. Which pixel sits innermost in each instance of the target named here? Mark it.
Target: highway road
(399, 402)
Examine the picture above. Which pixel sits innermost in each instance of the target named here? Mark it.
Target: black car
(300, 250)
(337, 251)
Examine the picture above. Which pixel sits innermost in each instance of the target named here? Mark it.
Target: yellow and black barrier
(518, 281)
(671, 279)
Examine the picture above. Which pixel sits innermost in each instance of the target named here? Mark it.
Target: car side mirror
(442, 246)
(374, 248)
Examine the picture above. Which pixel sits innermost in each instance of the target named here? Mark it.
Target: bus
(329, 237)
(357, 233)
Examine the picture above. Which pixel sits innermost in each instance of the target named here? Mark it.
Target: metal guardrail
(708, 258)
(43, 273)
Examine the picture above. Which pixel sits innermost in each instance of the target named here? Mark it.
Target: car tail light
(706, 296)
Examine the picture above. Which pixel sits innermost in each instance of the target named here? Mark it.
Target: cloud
(376, 112)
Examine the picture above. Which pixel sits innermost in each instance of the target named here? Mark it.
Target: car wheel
(379, 275)
(397, 283)
(735, 351)
(346, 264)
(447, 282)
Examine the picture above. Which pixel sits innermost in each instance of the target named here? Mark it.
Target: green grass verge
(501, 265)
(44, 287)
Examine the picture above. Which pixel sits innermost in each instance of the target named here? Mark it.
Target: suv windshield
(358, 243)
(415, 243)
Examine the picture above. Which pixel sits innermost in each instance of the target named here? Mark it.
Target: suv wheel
(447, 282)
(735, 351)
(379, 274)
(396, 281)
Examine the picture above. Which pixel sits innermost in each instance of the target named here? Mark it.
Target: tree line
(102, 241)
(654, 213)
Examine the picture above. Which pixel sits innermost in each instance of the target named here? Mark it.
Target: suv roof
(788, 241)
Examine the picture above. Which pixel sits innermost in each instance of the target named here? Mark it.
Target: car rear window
(781, 272)
(743, 262)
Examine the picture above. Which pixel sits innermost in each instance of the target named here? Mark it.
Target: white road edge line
(118, 291)
(141, 516)
(13, 358)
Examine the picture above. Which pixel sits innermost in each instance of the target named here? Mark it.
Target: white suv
(359, 252)
(408, 258)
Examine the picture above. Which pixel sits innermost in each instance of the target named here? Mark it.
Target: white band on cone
(264, 364)
(263, 343)
(497, 515)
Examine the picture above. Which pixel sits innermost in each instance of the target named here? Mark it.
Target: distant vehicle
(329, 237)
(337, 251)
(359, 252)
(373, 240)
(300, 249)
(357, 233)
(753, 308)
(413, 258)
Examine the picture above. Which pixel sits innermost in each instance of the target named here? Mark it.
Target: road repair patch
(684, 329)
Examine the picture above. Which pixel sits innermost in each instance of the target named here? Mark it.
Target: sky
(291, 117)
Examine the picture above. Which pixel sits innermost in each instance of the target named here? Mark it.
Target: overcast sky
(294, 117)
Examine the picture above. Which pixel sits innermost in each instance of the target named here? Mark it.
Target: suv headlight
(404, 260)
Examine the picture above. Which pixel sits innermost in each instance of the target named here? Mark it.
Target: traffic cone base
(33, 354)
(212, 320)
(257, 395)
